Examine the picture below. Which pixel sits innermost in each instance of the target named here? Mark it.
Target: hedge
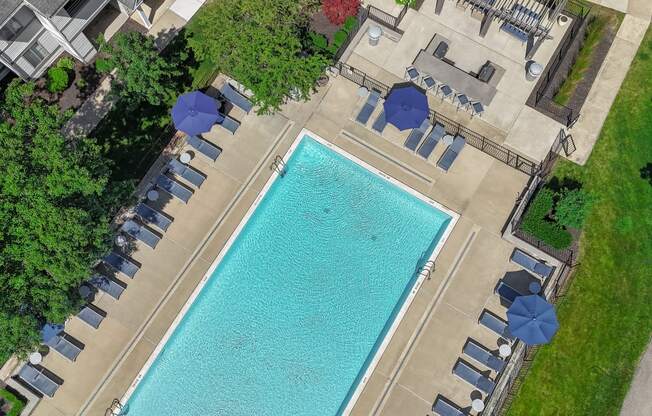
(537, 223)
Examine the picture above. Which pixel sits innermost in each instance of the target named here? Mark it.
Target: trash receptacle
(534, 70)
(374, 32)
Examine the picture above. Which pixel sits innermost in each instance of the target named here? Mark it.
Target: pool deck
(418, 361)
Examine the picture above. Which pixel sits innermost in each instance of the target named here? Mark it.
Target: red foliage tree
(338, 10)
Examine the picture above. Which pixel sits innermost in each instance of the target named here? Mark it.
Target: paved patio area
(507, 111)
(418, 362)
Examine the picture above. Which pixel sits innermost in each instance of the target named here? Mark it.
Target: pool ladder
(115, 409)
(279, 166)
(427, 269)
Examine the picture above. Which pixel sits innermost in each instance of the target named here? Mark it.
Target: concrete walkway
(612, 73)
(637, 402)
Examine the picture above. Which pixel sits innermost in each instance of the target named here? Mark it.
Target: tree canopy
(260, 44)
(142, 74)
(54, 224)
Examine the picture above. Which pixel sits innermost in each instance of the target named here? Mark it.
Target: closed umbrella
(532, 319)
(406, 106)
(195, 113)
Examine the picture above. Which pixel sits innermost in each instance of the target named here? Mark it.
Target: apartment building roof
(47, 7)
(7, 7)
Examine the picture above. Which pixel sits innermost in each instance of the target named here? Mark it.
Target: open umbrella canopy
(532, 319)
(406, 106)
(195, 113)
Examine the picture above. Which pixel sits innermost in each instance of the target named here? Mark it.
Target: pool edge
(352, 398)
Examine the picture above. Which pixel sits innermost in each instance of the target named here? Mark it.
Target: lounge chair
(368, 107)
(446, 160)
(415, 136)
(428, 82)
(445, 407)
(229, 124)
(412, 74)
(497, 325)
(507, 293)
(186, 172)
(38, 380)
(204, 147)
(531, 264)
(107, 285)
(91, 315)
(152, 216)
(472, 376)
(380, 123)
(63, 346)
(236, 97)
(140, 232)
(482, 355)
(174, 188)
(121, 264)
(477, 108)
(462, 100)
(431, 141)
(445, 91)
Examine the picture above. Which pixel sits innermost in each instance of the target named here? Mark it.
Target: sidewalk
(637, 402)
(612, 73)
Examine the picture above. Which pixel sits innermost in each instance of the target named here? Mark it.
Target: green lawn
(606, 316)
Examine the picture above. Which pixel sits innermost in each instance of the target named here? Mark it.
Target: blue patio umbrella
(406, 106)
(532, 319)
(195, 113)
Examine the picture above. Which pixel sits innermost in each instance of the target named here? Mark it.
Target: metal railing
(473, 138)
(549, 83)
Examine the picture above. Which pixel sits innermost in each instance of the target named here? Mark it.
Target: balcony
(82, 12)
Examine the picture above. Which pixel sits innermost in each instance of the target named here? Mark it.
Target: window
(74, 6)
(35, 54)
(11, 29)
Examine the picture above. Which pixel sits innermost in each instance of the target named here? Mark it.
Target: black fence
(473, 138)
(559, 66)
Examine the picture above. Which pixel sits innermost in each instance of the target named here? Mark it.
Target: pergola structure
(530, 20)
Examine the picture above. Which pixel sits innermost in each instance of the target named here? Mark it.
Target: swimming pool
(303, 299)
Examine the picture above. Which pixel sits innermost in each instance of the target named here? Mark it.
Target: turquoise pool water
(295, 310)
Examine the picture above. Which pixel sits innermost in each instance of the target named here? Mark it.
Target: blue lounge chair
(472, 376)
(497, 325)
(236, 97)
(186, 172)
(531, 264)
(229, 124)
(107, 285)
(507, 293)
(415, 136)
(446, 160)
(514, 31)
(63, 346)
(91, 315)
(380, 123)
(152, 216)
(204, 147)
(140, 232)
(445, 407)
(431, 141)
(38, 380)
(174, 188)
(368, 107)
(483, 356)
(121, 264)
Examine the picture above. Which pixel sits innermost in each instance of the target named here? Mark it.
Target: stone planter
(563, 20)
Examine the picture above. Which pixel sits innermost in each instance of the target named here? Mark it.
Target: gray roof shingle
(7, 7)
(47, 7)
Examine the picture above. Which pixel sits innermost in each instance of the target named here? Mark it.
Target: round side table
(152, 194)
(505, 350)
(477, 405)
(185, 158)
(35, 358)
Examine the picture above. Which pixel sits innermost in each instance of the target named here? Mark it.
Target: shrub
(57, 79)
(103, 65)
(66, 63)
(573, 207)
(405, 2)
(81, 83)
(339, 38)
(350, 23)
(536, 222)
(16, 404)
(318, 40)
(338, 10)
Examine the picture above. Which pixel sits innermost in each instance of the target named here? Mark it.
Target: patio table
(453, 76)
(447, 139)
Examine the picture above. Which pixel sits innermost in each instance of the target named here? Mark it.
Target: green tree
(54, 204)
(142, 74)
(261, 44)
